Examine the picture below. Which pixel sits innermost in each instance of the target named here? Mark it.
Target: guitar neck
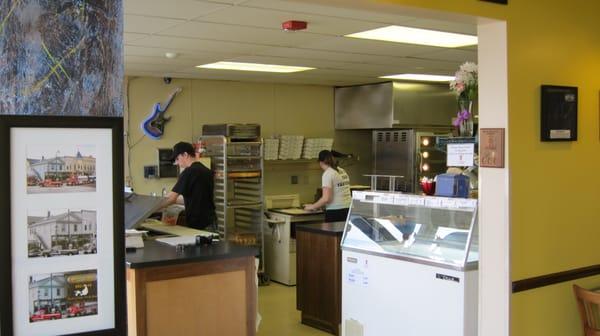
(169, 101)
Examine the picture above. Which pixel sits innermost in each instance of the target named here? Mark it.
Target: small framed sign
(559, 113)
(491, 147)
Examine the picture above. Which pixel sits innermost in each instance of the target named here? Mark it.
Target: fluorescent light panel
(421, 77)
(253, 67)
(419, 36)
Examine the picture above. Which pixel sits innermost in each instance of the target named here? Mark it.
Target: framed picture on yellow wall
(502, 2)
(558, 113)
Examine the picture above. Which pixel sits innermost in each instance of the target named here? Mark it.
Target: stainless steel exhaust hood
(394, 105)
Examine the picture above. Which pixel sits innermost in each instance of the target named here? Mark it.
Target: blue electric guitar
(154, 125)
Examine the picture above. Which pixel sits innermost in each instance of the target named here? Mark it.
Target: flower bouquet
(465, 87)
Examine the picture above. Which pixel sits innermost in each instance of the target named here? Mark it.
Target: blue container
(452, 185)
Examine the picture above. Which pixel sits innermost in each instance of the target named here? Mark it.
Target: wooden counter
(208, 290)
(319, 275)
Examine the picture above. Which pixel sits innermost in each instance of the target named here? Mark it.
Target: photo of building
(62, 295)
(61, 232)
(53, 169)
(47, 294)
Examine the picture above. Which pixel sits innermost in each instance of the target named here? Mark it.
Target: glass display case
(401, 253)
(438, 231)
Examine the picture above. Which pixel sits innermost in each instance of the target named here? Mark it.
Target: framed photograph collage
(62, 235)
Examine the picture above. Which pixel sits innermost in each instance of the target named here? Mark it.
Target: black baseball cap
(182, 147)
(324, 154)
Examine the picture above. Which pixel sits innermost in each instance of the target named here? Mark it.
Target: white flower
(461, 77)
(469, 67)
(465, 80)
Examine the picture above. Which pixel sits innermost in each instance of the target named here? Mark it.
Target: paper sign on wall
(460, 155)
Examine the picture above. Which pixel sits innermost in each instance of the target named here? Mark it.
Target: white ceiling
(206, 31)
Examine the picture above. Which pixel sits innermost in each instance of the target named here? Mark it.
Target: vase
(465, 127)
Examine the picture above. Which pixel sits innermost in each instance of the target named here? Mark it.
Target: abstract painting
(61, 57)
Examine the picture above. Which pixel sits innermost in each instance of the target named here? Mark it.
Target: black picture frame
(115, 124)
(502, 2)
(558, 113)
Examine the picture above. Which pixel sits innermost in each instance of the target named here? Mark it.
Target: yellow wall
(279, 109)
(555, 193)
(550, 310)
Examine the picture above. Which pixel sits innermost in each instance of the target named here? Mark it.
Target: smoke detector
(293, 25)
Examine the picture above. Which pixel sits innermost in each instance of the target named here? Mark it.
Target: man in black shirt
(196, 185)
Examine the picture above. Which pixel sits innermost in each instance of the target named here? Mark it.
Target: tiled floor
(277, 305)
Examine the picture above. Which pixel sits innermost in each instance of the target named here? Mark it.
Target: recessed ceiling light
(420, 36)
(421, 77)
(171, 55)
(253, 67)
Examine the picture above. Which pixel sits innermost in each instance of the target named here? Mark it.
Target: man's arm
(172, 198)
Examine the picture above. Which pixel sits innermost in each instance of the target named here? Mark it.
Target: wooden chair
(588, 303)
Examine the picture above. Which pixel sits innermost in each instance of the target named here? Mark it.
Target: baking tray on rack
(233, 131)
(238, 174)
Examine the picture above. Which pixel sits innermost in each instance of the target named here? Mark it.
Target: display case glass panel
(438, 230)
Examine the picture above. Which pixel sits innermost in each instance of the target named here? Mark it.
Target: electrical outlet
(294, 179)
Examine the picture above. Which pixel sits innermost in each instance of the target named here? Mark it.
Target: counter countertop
(334, 228)
(160, 254)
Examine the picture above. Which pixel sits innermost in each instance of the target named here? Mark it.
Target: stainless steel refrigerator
(409, 153)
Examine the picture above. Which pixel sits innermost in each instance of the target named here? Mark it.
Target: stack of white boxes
(313, 146)
(290, 147)
(271, 149)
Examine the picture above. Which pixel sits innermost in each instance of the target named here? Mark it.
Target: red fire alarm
(293, 25)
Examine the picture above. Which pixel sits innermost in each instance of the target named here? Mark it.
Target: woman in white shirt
(336, 189)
